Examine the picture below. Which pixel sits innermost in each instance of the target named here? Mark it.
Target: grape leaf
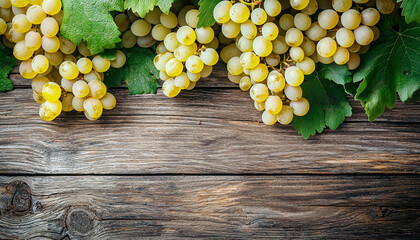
(205, 18)
(139, 72)
(411, 10)
(109, 54)
(391, 65)
(7, 62)
(144, 6)
(329, 106)
(92, 22)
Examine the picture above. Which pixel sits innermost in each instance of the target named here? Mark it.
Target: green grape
(245, 83)
(169, 88)
(153, 17)
(185, 35)
(5, 4)
(239, 13)
(160, 48)
(191, 18)
(162, 59)
(33, 40)
(209, 56)
(38, 98)
(248, 29)
(354, 61)
(262, 47)
(259, 92)
(285, 116)
(294, 37)
(97, 89)
(342, 5)
(194, 64)
(169, 20)
(204, 35)
(25, 69)
(21, 52)
(328, 19)
(234, 66)
(307, 65)
(270, 31)
(3, 26)
(302, 21)
(122, 21)
(40, 64)
(69, 70)
(35, 14)
(326, 47)
(258, 16)
(77, 104)
(272, 7)
(279, 45)
(308, 46)
(293, 93)
(259, 73)
(229, 52)
(244, 44)
(171, 42)
(80, 89)
(299, 4)
(101, 64)
(146, 42)
(159, 32)
(311, 8)
(300, 107)
(294, 76)
(49, 27)
(141, 28)
(260, 106)
(194, 77)
(84, 65)
(315, 32)
(174, 67)
(341, 56)
(108, 101)
(363, 35)
(67, 84)
(51, 91)
(21, 24)
(385, 6)
(66, 46)
(92, 76)
(120, 60)
(182, 53)
(93, 108)
(51, 7)
(221, 12)
(128, 40)
(268, 119)
(370, 16)
(182, 82)
(51, 44)
(231, 29)
(38, 83)
(275, 81)
(84, 50)
(50, 110)
(249, 60)
(344, 37)
(67, 102)
(286, 21)
(273, 104)
(297, 54)
(351, 19)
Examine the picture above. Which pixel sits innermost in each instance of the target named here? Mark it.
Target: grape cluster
(185, 53)
(65, 77)
(271, 45)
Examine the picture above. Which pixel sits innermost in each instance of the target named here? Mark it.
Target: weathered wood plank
(202, 132)
(94, 207)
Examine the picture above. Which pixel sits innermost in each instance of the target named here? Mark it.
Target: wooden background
(203, 165)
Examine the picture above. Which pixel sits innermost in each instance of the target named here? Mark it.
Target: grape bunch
(185, 53)
(271, 45)
(65, 77)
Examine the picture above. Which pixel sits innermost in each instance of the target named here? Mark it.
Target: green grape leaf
(328, 104)
(92, 22)
(205, 18)
(139, 73)
(411, 10)
(144, 6)
(392, 65)
(7, 62)
(109, 54)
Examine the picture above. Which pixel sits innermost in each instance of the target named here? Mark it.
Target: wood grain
(94, 207)
(202, 132)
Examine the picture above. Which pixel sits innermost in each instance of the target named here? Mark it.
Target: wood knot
(80, 222)
(21, 201)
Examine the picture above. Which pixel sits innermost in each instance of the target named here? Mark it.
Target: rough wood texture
(203, 131)
(245, 180)
(212, 207)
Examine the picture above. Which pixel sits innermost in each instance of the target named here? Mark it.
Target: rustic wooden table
(202, 165)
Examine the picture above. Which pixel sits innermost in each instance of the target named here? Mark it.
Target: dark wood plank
(94, 207)
(201, 132)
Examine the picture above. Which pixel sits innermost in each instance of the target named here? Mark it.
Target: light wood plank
(212, 207)
(202, 132)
